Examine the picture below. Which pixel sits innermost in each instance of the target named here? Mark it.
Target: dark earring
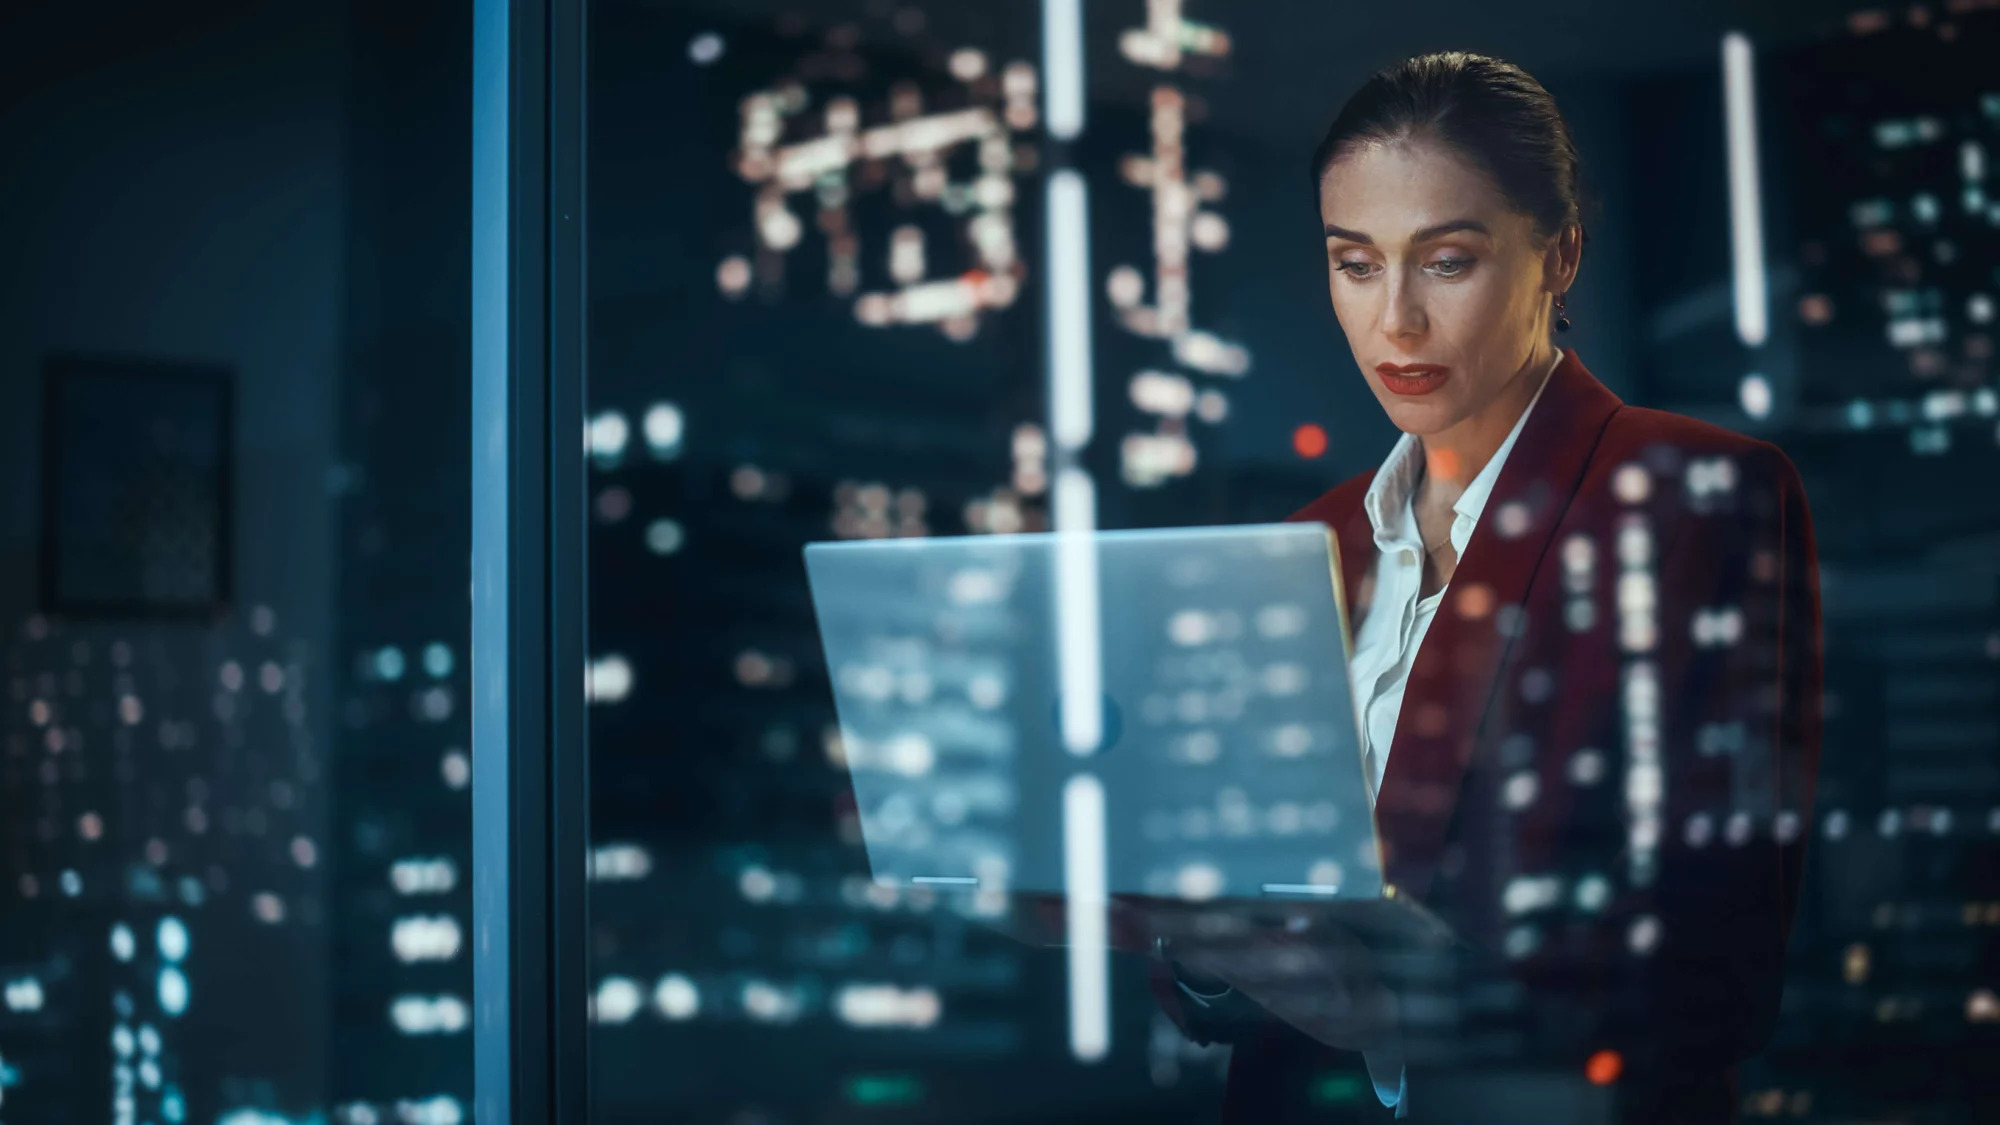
(1562, 318)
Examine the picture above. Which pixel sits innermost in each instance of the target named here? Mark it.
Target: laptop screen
(1162, 713)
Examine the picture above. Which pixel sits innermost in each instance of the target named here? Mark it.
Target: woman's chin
(1418, 414)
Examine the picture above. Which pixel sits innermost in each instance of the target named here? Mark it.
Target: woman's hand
(1319, 979)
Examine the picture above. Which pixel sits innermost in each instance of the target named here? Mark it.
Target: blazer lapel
(1452, 682)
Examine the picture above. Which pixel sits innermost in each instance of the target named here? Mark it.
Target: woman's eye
(1450, 267)
(1356, 270)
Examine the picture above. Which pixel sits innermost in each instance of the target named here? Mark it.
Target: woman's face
(1439, 282)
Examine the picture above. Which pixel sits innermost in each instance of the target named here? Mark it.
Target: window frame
(530, 773)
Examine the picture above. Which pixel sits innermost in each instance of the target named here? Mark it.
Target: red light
(1309, 440)
(1604, 1068)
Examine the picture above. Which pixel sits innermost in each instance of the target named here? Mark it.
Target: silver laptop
(1151, 713)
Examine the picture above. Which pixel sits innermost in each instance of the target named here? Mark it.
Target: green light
(884, 1089)
(1337, 1089)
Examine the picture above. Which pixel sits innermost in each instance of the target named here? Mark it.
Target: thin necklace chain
(1429, 548)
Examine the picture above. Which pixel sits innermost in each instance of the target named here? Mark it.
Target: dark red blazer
(1641, 591)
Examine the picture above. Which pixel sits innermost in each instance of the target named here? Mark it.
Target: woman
(1586, 660)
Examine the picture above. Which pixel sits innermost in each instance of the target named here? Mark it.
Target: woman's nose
(1403, 316)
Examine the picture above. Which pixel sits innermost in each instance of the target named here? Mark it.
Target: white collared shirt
(1385, 647)
(1393, 628)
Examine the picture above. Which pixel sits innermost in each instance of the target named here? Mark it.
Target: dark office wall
(182, 199)
(171, 186)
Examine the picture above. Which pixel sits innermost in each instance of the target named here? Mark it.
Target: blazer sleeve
(1739, 707)
(1705, 818)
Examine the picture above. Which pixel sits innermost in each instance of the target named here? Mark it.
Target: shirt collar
(1391, 493)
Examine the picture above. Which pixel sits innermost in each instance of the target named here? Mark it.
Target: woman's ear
(1560, 262)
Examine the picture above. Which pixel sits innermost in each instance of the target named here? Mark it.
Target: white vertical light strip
(1079, 655)
(1062, 67)
(1079, 651)
(1088, 925)
(1746, 204)
(1079, 641)
(1070, 415)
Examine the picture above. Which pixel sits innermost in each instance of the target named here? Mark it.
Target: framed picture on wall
(136, 488)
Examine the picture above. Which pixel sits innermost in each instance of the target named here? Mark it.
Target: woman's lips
(1413, 378)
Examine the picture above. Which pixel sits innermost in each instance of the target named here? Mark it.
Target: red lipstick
(1413, 378)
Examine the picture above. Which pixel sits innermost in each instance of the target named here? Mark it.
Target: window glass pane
(233, 757)
(1646, 709)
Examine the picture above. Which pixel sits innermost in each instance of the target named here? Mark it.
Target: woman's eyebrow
(1424, 235)
(1452, 227)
